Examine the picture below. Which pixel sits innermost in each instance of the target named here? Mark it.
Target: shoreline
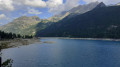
(104, 39)
(21, 42)
(17, 42)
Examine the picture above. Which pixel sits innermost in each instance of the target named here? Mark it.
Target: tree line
(4, 35)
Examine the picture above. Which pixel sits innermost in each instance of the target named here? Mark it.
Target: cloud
(33, 11)
(89, 1)
(35, 3)
(105, 1)
(24, 4)
(6, 5)
(16, 8)
(57, 6)
(69, 4)
(110, 1)
(54, 3)
(2, 16)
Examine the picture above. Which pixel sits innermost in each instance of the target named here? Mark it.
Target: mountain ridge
(30, 25)
(102, 22)
(19, 24)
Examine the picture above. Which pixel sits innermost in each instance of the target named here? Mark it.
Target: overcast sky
(11, 9)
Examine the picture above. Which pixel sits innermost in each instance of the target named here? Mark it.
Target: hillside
(102, 22)
(24, 25)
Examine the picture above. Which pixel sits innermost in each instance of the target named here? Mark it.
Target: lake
(65, 53)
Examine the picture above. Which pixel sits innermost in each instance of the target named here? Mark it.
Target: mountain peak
(101, 5)
(22, 18)
(96, 2)
(84, 8)
(36, 18)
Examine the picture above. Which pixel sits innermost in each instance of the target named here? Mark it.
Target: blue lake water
(65, 53)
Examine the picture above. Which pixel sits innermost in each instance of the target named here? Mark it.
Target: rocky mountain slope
(22, 25)
(101, 22)
(74, 11)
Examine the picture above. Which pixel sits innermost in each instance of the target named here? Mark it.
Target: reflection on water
(66, 53)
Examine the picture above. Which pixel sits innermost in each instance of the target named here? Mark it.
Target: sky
(11, 9)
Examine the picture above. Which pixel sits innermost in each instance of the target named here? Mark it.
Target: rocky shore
(17, 42)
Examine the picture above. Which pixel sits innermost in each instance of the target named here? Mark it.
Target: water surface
(65, 53)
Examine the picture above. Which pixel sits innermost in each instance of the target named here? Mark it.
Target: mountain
(58, 17)
(74, 11)
(101, 22)
(84, 8)
(23, 25)
(29, 25)
(100, 5)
